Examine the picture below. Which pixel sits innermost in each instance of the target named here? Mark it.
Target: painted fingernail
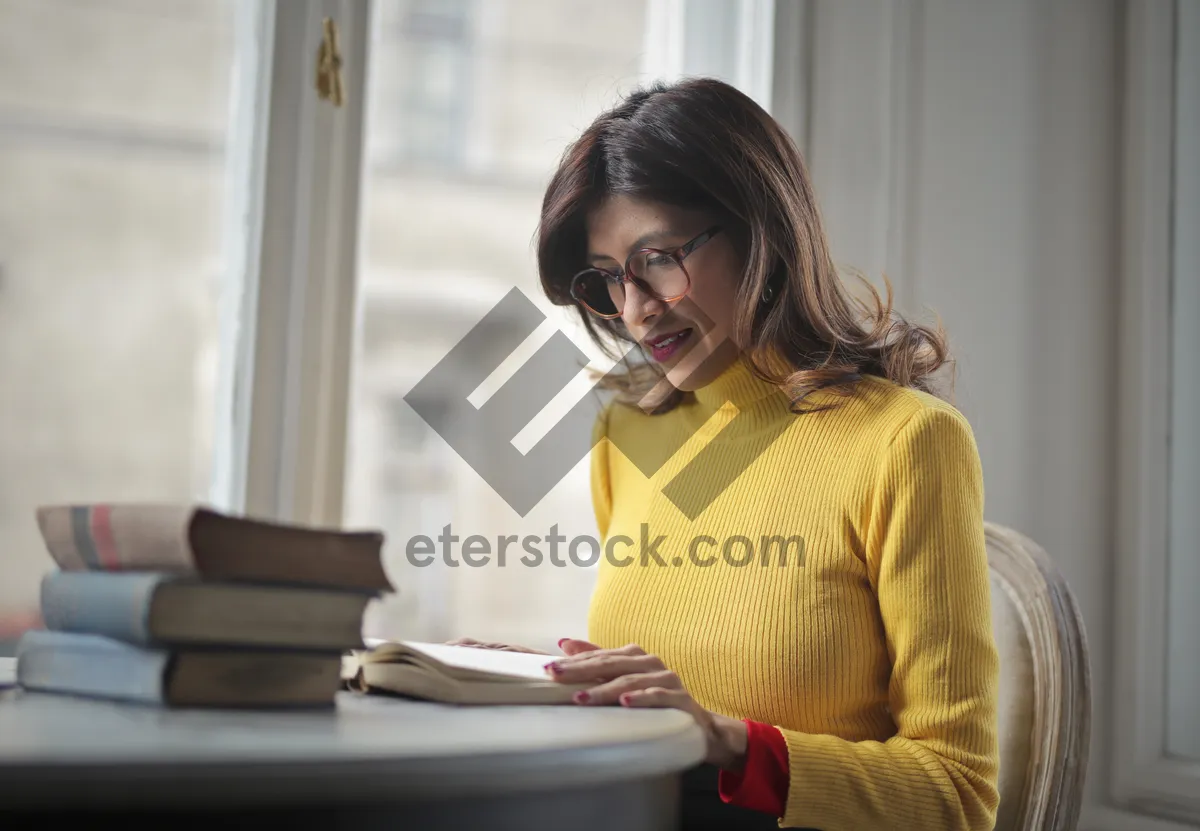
(561, 641)
(554, 669)
(581, 697)
(625, 698)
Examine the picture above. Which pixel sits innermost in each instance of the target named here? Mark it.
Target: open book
(455, 674)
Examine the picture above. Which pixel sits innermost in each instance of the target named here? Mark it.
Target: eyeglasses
(655, 272)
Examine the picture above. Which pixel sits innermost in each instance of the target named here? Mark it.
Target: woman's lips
(663, 347)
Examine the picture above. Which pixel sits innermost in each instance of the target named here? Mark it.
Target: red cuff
(762, 785)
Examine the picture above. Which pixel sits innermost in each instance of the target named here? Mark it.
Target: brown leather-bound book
(189, 539)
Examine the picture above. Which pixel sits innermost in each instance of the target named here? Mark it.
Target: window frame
(1144, 778)
(293, 251)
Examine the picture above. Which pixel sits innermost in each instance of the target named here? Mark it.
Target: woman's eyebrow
(640, 242)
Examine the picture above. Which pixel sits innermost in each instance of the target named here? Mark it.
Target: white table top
(58, 748)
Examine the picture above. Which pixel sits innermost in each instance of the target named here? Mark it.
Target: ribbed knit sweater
(872, 652)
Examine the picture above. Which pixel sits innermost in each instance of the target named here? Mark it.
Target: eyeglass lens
(655, 272)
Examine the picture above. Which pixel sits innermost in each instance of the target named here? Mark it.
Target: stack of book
(185, 606)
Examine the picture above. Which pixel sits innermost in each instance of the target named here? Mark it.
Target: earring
(767, 294)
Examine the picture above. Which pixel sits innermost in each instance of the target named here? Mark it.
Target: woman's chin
(689, 376)
(699, 366)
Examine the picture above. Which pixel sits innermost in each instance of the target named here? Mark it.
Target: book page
(516, 664)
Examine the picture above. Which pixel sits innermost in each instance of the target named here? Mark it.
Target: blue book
(149, 608)
(99, 667)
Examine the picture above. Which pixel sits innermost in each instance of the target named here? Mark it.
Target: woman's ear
(770, 292)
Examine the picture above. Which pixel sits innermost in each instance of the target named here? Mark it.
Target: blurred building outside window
(112, 156)
(470, 107)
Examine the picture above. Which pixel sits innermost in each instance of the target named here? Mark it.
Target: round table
(366, 763)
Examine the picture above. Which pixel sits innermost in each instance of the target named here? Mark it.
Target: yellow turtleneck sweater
(873, 652)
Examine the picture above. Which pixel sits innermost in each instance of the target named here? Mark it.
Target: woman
(852, 685)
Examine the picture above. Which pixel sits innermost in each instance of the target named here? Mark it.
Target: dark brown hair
(702, 144)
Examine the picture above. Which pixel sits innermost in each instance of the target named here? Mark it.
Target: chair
(1045, 687)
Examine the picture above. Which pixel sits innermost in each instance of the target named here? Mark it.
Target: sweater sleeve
(928, 564)
(762, 785)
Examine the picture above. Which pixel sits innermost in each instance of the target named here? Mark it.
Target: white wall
(972, 151)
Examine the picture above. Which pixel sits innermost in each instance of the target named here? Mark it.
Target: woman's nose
(640, 308)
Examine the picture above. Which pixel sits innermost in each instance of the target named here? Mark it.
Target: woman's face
(690, 337)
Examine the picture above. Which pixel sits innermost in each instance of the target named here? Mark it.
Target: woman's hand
(503, 647)
(631, 678)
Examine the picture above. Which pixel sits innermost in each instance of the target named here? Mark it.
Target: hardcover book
(186, 539)
(100, 667)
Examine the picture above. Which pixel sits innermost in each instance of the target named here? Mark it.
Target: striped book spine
(118, 538)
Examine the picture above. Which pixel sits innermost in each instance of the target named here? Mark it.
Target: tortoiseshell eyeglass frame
(626, 274)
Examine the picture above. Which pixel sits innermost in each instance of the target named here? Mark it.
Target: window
(216, 287)
(114, 132)
(492, 93)
(448, 221)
